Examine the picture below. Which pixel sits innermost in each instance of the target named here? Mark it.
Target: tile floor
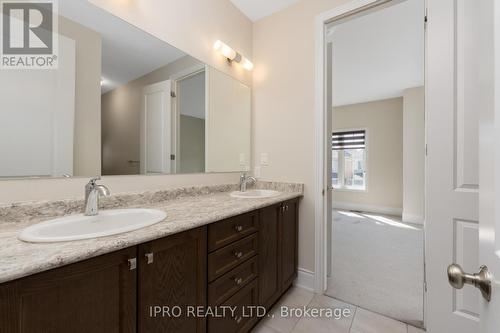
(356, 320)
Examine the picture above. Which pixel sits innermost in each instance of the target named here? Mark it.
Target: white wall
(383, 121)
(190, 25)
(414, 155)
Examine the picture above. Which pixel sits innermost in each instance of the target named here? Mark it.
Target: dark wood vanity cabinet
(242, 261)
(289, 239)
(278, 239)
(172, 275)
(96, 295)
(233, 272)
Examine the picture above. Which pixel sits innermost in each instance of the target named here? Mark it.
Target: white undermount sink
(77, 227)
(255, 194)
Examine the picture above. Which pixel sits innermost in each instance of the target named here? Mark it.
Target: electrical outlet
(242, 159)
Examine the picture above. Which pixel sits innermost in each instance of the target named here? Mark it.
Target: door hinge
(172, 157)
(173, 94)
(426, 149)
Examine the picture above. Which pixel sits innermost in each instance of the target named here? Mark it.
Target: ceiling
(127, 52)
(379, 55)
(257, 9)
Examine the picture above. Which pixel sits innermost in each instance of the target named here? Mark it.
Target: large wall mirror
(121, 102)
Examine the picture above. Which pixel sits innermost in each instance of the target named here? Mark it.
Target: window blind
(349, 140)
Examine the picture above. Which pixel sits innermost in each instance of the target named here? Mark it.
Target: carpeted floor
(378, 264)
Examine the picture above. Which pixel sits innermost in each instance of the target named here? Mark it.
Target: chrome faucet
(92, 194)
(244, 180)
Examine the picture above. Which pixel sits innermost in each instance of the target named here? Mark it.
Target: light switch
(264, 159)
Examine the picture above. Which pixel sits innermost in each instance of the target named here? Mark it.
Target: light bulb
(247, 64)
(225, 50)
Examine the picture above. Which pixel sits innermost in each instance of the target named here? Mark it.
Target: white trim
(320, 199)
(305, 279)
(367, 208)
(413, 218)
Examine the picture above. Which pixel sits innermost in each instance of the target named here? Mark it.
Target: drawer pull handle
(238, 281)
(149, 258)
(238, 319)
(238, 254)
(238, 228)
(132, 264)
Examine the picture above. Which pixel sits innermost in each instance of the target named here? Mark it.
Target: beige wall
(192, 26)
(87, 144)
(192, 144)
(414, 155)
(283, 109)
(383, 121)
(121, 114)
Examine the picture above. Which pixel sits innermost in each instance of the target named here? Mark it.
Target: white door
(460, 177)
(156, 129)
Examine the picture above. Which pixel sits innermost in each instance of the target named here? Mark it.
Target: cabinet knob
(238, 228)
(132, 264)
(238, 281)
(149, 257)
(238, 254)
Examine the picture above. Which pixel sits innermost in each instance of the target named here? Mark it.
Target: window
(349, 160)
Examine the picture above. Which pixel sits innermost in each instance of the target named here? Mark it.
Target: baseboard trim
(412, 218)
(368, 208)
(305, 279)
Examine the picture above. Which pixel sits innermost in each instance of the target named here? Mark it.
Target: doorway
(375, 159)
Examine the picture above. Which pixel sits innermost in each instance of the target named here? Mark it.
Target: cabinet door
(269, 255)
(95, 295)
(289, 243)
(173, 276)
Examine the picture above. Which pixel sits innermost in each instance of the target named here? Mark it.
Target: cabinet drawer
(232, 281)
(230, 256)
(230, 230)
(243, 319)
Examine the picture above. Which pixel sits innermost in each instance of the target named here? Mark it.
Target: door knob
(481, 280)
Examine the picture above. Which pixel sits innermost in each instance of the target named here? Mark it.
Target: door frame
(323, 126)
(175, 78)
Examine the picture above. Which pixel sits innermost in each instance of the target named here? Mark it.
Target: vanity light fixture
(232, 55)
(247, 64)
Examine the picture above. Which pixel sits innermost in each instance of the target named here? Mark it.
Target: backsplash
(41, 210)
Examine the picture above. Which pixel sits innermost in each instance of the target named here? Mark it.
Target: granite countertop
(186, 208)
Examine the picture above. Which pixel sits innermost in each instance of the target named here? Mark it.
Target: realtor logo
(29, 38)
